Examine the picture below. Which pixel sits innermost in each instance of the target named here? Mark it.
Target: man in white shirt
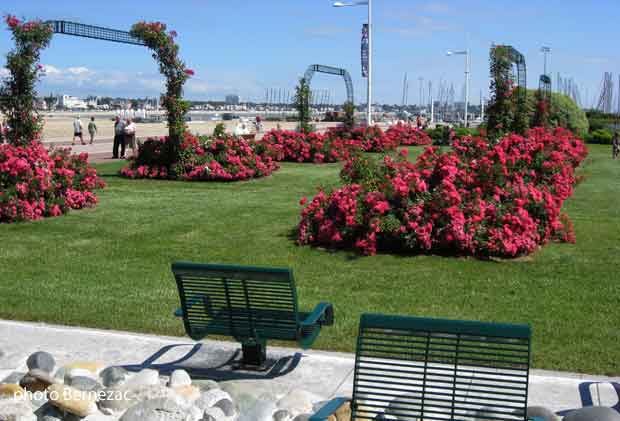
(130, 136)
(77, 131)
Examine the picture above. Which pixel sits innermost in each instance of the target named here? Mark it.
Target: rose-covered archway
(35, 183)
(33, 36)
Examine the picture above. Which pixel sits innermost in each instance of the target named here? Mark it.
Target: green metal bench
(411, 368)
(251, 304)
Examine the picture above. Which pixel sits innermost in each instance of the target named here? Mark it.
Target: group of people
(124, 134)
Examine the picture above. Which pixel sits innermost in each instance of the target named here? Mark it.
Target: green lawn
(109, 267)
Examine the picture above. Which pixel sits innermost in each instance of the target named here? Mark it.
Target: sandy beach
(58, 127)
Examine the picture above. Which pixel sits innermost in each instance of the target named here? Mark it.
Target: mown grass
(109, 267)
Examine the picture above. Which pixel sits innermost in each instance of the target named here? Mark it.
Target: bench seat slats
(444, 370)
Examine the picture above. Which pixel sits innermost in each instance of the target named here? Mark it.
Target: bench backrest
(431, 369)
(240, 301)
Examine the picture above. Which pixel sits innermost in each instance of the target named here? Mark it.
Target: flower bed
(408, 135)
(369, 139)
(36, 184)
(480, 198)
(285, 145)
(222, 159)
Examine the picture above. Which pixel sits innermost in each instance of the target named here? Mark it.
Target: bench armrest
(322, 315)
(179, 311)
(328, 409)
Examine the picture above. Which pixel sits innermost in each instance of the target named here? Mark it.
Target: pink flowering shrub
(481, 198)
(408, 135)
(285, 145)
(36, 184)
(369, 139)
(220, 159)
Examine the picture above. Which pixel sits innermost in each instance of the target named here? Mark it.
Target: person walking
(615, 146)
(119, 137)
(77, 131)
(92, 129)
(130, 136)
(258, 124)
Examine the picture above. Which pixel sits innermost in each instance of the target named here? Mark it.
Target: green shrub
(219, 131)
(563, 112)
(436, 134)
(601, 136)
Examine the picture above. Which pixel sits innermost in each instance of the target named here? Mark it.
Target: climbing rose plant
(35, 183)
(17, 91)
(481, 198)
(166, 53)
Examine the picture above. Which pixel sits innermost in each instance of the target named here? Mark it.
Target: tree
(349, 115)
(17, 92)
(302, 105)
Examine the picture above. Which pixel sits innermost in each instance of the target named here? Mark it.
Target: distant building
(71, 102)
(232, 99)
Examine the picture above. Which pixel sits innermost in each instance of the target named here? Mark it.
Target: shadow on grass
(350, 254)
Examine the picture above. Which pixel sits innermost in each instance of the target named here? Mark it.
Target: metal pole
(467, 64)
(430, 93)
(369, 99)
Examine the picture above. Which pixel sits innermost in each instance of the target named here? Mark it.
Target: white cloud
(50, 70)
(79, 71)
(4, 72)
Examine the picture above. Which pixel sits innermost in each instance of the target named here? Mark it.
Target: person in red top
(258, 124)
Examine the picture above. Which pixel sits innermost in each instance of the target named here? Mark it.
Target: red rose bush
(203, 159)
(369, 139)
(408, 135)
(480, 198)
(35, 184)
(286, 145)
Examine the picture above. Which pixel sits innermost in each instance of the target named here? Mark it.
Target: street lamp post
(467, 71)
(545, 51)
(369, 78)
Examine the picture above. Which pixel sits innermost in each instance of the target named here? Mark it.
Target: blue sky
(243, 47)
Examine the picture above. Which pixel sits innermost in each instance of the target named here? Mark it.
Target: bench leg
(254, 355)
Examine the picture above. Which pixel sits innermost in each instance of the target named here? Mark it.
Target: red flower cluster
(285, 145)
(408, 135)
(35, 184)
(480, 198)
(12, 21)
(369, 139)
(221, 159)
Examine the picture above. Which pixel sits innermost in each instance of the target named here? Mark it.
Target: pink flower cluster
(481, 198)
(369, 139)
(222, 159)
(35, 184)
(285, 145)
(408, 135)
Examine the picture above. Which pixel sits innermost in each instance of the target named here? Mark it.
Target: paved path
(326, 374)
